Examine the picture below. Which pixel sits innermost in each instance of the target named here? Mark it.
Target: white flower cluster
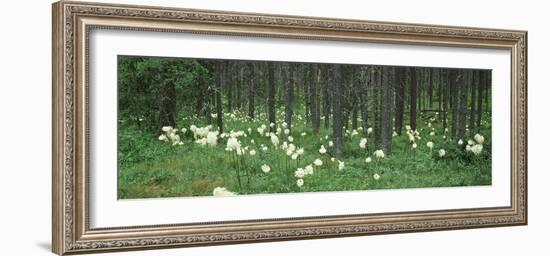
(363, 143)
(476, 146)
(379, 154)
(221, 191)
(170, 135)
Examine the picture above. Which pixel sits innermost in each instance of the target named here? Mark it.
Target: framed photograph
(178, 127)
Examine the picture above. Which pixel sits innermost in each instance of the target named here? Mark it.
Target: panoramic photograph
(212, 127)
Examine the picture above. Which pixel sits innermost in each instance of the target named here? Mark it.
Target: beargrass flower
(376, 176)
(318, 162)
(299, 173)
(233, 144)
(163, 137)
(477, 149)
(379, 153)
(341, 165)
(322, 150)
(363, 143)
(300, 182)
(441, 152)
(308, 170)
(274, 140)
(479, 139)
(221, 191)
(368, 160)
(265, 168)
(430, 144)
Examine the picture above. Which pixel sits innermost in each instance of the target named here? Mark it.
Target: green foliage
(139, 83)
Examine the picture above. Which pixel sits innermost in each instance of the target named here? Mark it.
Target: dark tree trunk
(219, 84)
(199, 106)
(430, 87)
(167, 104)
(238, 99)
(375, 77)
(419, 78)
(473, 87)
(439, 91)
(385, 111)
(464, 81)
(326, 95)
(454, 103)
(306, 83)
(482, 84)
(315, 112)
(446, 91)
(287, 74)
(400, 77)
(336, 122)
(271, 96)
(228, 70)
(412, 93)
(363, 99)
(251, 89)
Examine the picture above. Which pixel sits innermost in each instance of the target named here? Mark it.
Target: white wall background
(25, 100)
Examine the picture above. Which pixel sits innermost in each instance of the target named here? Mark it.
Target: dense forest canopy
(338, 101)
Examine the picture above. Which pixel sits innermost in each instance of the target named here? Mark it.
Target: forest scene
(207, 127)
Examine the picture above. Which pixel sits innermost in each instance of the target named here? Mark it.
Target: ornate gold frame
(72, 22)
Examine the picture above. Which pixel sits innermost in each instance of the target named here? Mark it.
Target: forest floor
(150, 168)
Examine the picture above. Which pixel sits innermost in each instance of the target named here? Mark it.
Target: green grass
(150, 168)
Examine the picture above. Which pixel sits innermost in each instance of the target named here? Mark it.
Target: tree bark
(316, 115)
(399, 98)
(473, 87)
(412, 93)
(287, 75)
(326, 95)
(385, 111)
(336, 122)
(167, 104)
(219, 83)
(464, 81)
(251, 89)
(271, 96)
(482, 84)
(363, 99)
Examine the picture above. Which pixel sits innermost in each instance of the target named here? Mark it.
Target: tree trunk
(315, 111)
(326, 95)
(430, 87)
(385, 111)
(167, 104)
(287, 75)
(464, 81)
(363, 99)
(251, 89)
(400, 77)
(238, 80)
(375, 77)
(412, 92)
(271, 96)
(219, 83)
(228, 70)
(473, 87)
(482, 84)
(336, 113)
(454, 103)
